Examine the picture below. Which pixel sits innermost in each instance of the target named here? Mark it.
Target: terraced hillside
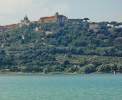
(73, 46)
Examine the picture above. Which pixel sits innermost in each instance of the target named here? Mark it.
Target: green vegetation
(69, 47)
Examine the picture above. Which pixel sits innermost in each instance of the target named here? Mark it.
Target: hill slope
(73, 46)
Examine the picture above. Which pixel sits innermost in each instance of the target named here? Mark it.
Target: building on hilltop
(55, 18)
(7, 27)
(95, 27)
(2, 28)
(25, 21)
(12, 26)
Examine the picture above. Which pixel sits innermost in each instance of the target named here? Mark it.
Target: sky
(12, 11)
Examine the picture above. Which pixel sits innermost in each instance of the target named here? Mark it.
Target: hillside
(75, 45)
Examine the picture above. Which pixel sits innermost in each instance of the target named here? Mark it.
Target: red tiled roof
(11, 26)
(50, 17)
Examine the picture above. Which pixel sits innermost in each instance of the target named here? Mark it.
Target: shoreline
(50, 74)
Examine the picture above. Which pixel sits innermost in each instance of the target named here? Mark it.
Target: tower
(25, 21)
(56, 14)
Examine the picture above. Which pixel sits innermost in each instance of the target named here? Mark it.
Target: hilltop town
(60, 44)
(49, 19)
(61, 19)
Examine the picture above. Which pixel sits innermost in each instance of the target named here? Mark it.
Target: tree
(114, 23)
(87, 68)
(86, 19)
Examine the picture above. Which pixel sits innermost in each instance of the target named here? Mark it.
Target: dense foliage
(68, 47)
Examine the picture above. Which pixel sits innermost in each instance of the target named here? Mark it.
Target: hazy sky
(12, 11)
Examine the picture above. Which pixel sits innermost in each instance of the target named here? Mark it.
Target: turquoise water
(61, 87)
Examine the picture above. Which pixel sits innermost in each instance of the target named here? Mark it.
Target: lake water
(61, 87)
